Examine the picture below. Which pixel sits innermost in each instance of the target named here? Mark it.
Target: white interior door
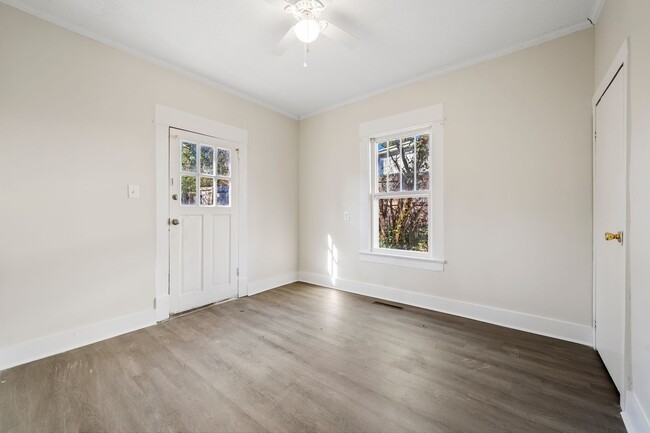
(203, 220)
(610, 200)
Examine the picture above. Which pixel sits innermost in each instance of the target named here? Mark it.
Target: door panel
(203, 204)
(221, 242)
(192, 243)
(610, 198)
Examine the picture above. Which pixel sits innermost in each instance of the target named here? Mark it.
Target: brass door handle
(611, 236)
(175, 222)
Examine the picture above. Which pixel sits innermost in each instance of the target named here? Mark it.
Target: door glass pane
(381, 167)
(207, 160)
(207, 191)
(223, 162)
(223, 192)
(423, 163)
(188, 157)
(408, 163)
(188, 190)
(394, 166)
(404, 224)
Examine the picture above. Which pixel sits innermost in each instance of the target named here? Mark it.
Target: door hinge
(154, 303)
(237, 271)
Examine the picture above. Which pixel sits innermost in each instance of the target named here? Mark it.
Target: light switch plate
(134, 191)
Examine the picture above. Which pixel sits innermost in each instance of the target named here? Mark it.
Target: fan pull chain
(306, 52)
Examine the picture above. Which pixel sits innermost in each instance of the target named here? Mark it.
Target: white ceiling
(229, 42)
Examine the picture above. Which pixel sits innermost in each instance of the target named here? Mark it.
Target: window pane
(207, 160)
(404, 224)
(394, 165)
(188, 157)
(207, 191)
(223, 162)
(223, 192)
(188, 190)
(408, 163)
(422, 146)
(381, 167)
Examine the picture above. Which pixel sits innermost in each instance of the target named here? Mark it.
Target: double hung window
(401, 193)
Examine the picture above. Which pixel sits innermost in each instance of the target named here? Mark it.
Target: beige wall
(517, 182)
(77, 126)
(621, 19)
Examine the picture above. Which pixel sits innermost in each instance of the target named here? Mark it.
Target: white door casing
(610, 216)
(203, 232)
(164, 119)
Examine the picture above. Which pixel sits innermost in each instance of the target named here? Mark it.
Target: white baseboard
(568, 331)
(635, 419)
(43, 347)
(46, 346)
(260, 286)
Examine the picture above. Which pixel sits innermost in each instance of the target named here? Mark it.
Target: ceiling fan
(307, 29)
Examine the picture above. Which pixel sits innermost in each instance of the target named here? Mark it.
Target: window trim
(430, 118)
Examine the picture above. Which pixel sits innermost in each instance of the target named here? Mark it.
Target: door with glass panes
(203, 220)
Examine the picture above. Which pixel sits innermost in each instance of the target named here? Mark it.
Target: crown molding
(549, 36)
(553, 34)
(147, 57)
(597, 9)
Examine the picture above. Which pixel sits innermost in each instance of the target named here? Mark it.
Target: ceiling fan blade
(281, 4)
(288, 39)
(339, 35)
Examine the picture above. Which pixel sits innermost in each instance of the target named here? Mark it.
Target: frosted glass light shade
(307, 30)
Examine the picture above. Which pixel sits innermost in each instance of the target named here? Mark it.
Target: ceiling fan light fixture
(307, 30)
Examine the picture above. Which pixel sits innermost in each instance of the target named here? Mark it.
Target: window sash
(375, 195)
(401, 194)
(404, 133)
(374, 214)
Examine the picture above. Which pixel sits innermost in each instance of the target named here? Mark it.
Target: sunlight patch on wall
(332, 259)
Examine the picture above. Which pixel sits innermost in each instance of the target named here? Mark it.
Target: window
(209, 175)
(401, 215)
(402, 191)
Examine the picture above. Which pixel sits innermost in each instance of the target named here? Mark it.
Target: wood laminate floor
(303, 358)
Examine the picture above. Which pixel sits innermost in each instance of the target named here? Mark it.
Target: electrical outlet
(346, 216)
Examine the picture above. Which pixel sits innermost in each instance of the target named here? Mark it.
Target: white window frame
(417, 121)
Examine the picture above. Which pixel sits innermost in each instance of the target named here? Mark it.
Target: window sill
(409, 262)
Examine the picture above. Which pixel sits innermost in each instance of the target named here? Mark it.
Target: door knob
(175, 222)
(174, 196)
(611, 236)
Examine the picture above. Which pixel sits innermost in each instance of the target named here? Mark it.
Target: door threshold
(194, 310)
